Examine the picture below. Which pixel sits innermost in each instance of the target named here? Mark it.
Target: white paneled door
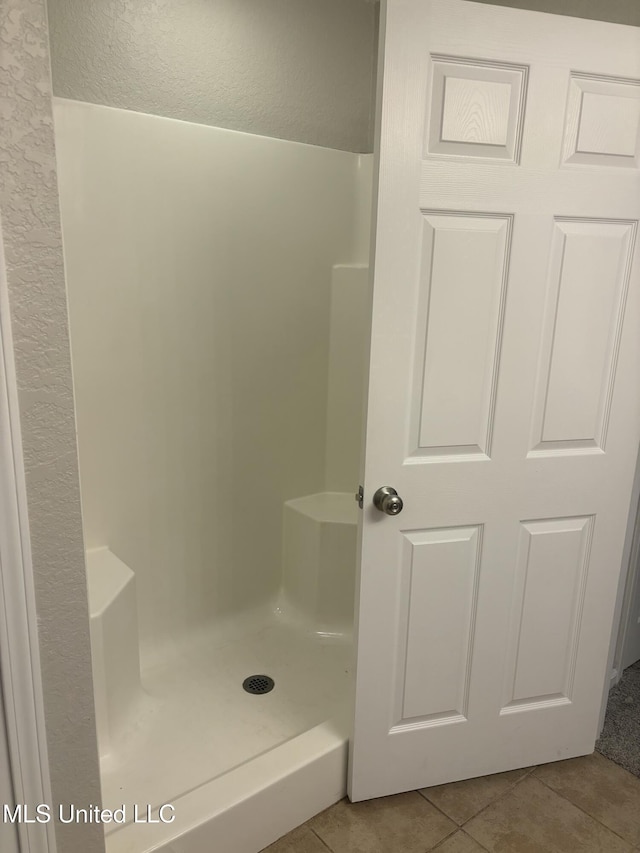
(504, 399)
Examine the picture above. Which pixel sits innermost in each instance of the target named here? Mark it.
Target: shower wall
(199, 266)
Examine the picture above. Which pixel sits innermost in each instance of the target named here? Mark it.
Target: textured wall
(617, 11)
(33, 249)
(293, 69)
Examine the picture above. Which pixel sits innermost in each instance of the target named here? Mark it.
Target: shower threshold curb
(254, 804)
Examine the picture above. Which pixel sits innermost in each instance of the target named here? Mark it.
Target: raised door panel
(439, 581)
(476, 108)
(462, 296)
(551, 571)
(589, 274)
(603, 121)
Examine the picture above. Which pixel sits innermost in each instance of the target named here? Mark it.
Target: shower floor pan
(239, 770)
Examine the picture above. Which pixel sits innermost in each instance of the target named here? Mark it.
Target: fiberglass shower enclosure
(218, 302)
(218, 297)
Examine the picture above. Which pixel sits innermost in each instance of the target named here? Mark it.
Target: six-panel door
(504, 398)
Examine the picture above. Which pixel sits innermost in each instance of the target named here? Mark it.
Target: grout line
(438, 809)
(446, 837)
(501, 796)
(460, 828)
(593, 817)
(457, 830)
(321, 840)
(468, 835)
(495, 800)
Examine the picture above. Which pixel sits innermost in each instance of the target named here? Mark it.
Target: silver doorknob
(387, 500)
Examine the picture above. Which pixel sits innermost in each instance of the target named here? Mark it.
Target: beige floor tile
(300, 840)
(601, 788)
(459, 842)
(532, 818)
(405, 823)
(462, 800)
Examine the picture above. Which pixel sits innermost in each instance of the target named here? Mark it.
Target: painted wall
(33, 250)
(616, 11)
(292, 69)
(8, 832)
(199, 268)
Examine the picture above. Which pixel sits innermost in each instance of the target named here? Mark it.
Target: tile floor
(576, 806)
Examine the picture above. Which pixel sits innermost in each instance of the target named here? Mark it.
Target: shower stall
(220, 310)
(218, 295)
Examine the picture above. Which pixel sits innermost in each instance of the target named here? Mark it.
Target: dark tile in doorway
(404, 823)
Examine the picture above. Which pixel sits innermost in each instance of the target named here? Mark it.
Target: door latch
(360, 496)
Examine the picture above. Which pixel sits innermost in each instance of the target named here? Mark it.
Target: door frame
(20, 674)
